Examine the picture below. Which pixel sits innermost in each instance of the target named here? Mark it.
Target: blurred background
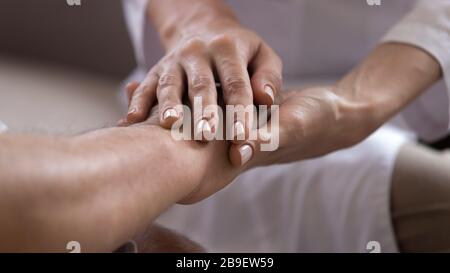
(61, 66)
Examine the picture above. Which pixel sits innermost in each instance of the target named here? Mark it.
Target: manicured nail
(203, 127)
(269, 91)
(170, 113)
(239, 130)
(132, 111)
(246, 153)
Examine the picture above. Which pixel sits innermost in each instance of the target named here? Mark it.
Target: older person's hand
(204, 42)
(312, 122)
(320, 120)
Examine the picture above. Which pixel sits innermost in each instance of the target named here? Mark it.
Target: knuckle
(201, 84)
(167, 80)
(222, 41)
(235, 85)
(191, 47)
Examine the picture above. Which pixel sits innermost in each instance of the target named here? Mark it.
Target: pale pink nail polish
(269, 91)
(132, 111)
(246, 152)
(170, 113)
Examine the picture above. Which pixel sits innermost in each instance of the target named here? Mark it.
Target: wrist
(193, 17)
(392, 76)
(145, 155)
(357, 116)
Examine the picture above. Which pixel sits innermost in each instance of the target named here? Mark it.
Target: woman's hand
(205, 44)
(312, 122)
(320, 120)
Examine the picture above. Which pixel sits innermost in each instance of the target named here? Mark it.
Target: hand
(247, 68)
(312, 122)
(316, 121)
(205, 166)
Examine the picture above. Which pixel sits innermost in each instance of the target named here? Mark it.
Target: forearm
(99, 189)
(390, 78)
(174, 19)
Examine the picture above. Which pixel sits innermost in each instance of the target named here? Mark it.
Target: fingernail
(246, 153)
(170, 113)
(132, 111)
(269, 91)
(203, 127)
(239, 130)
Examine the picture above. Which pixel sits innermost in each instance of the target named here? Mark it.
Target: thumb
(262, 144)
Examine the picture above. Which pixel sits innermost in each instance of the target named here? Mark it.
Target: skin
(205, 43)
(319, 120)
(100, 188)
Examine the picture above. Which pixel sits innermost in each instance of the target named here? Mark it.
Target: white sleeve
(146, 43)
(427, 26)
(135, 16)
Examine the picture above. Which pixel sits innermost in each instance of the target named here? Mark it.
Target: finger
(129, 89)
(169, 94)
(142, 99)
(268, 138)
(241, 154)
(122, 122)
(231, 68)
(203, 96)
(266, 79)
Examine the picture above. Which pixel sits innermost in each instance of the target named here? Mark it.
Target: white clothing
(336, 203)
